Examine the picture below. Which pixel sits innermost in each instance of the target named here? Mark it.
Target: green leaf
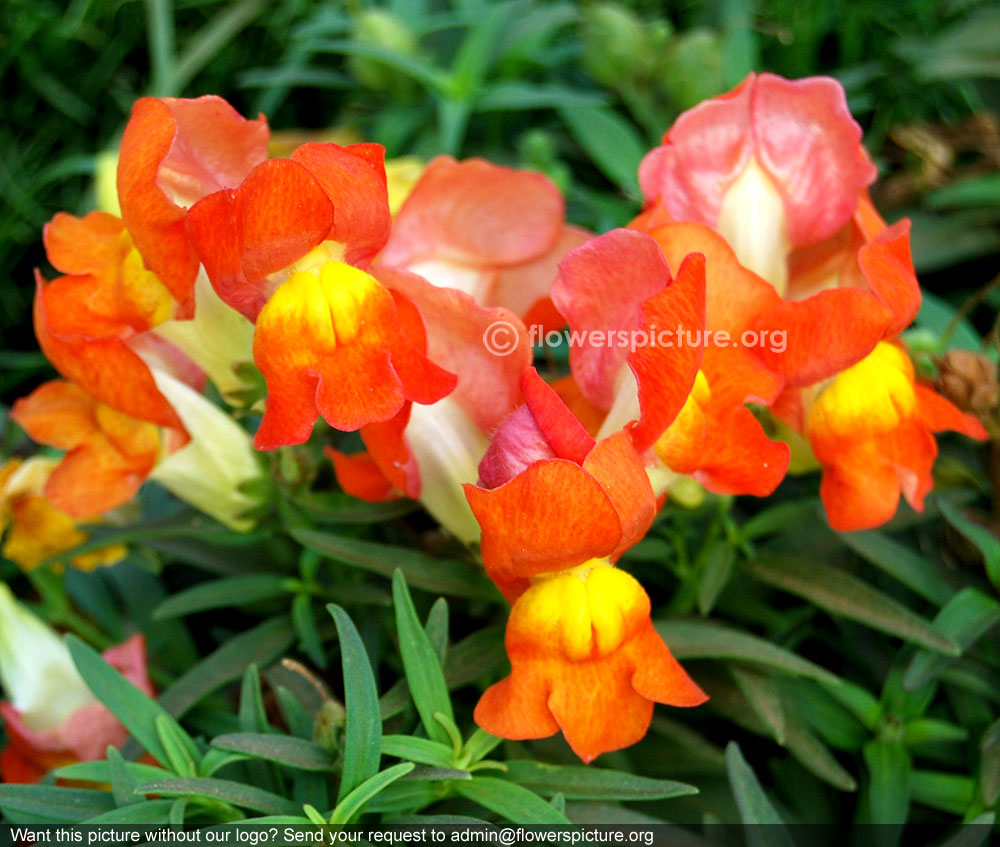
(973, 832)
(889, 789)
(981, 537)
(475, 656)
(754, 805)
(457, 579)
(253, 713)
(363, 731)
(931, 731)
(260, 645)
(989, 768)
(591, 783)
(968, 616)
(947, 792)
(814, 755)
(982, 190)
(705, 640)
(137, 712)
(281, 749)
(843, 594)
(423, 72)
(183, 760)
(420, 750)
(517, 96)
(437, 628)
(335, 507)
(715, 575)
(901, 563)
(778, 518)
(236, 793)
(764, 698)
(139, 813)
(357, 799)
(100, 771)
(423, 671)
(44, 804)
(611, 142)
(223, 594)
(122, 782)
(304, 620)
(511, 801)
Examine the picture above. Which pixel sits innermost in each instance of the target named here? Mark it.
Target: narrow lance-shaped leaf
(420, 662)
(363, 731)
(137, 712)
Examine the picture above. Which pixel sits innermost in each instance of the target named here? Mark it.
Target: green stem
(160, 23)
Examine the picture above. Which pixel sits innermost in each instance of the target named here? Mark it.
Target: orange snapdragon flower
(871, 427)
(109, 453)
(710, 435)
(35, 529)
(287, 249)
(428, 452)
(585, 660)
(777, 168)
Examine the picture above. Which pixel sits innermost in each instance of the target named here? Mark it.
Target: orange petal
(553, 516)
(353, 177)
(517, 707)
(110, 454)
(826, 333)
(600, 290)
(173, 153)
(104, 366)
(861, 491)
(524, 289)
(618, 469)
(658, 675)
(665, 375)
(888, 267)
(360, 477)
(558, 425)
(276, 216)
(799, 131)
(457, 331)
(939, 414)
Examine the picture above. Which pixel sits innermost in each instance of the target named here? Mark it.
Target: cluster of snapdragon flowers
(377, 310)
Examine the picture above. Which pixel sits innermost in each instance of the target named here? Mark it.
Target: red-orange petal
(276, 216)
(173, 153)
(552, 516)
(353, 177)
(104, 366)
(665, 375)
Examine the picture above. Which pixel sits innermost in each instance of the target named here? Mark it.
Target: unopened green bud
(691, 68)
(613, 43)
(380, 28)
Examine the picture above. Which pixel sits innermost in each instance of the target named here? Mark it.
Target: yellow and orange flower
(871, 428)
(109, 453)
(585, 660)
(34, 529)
